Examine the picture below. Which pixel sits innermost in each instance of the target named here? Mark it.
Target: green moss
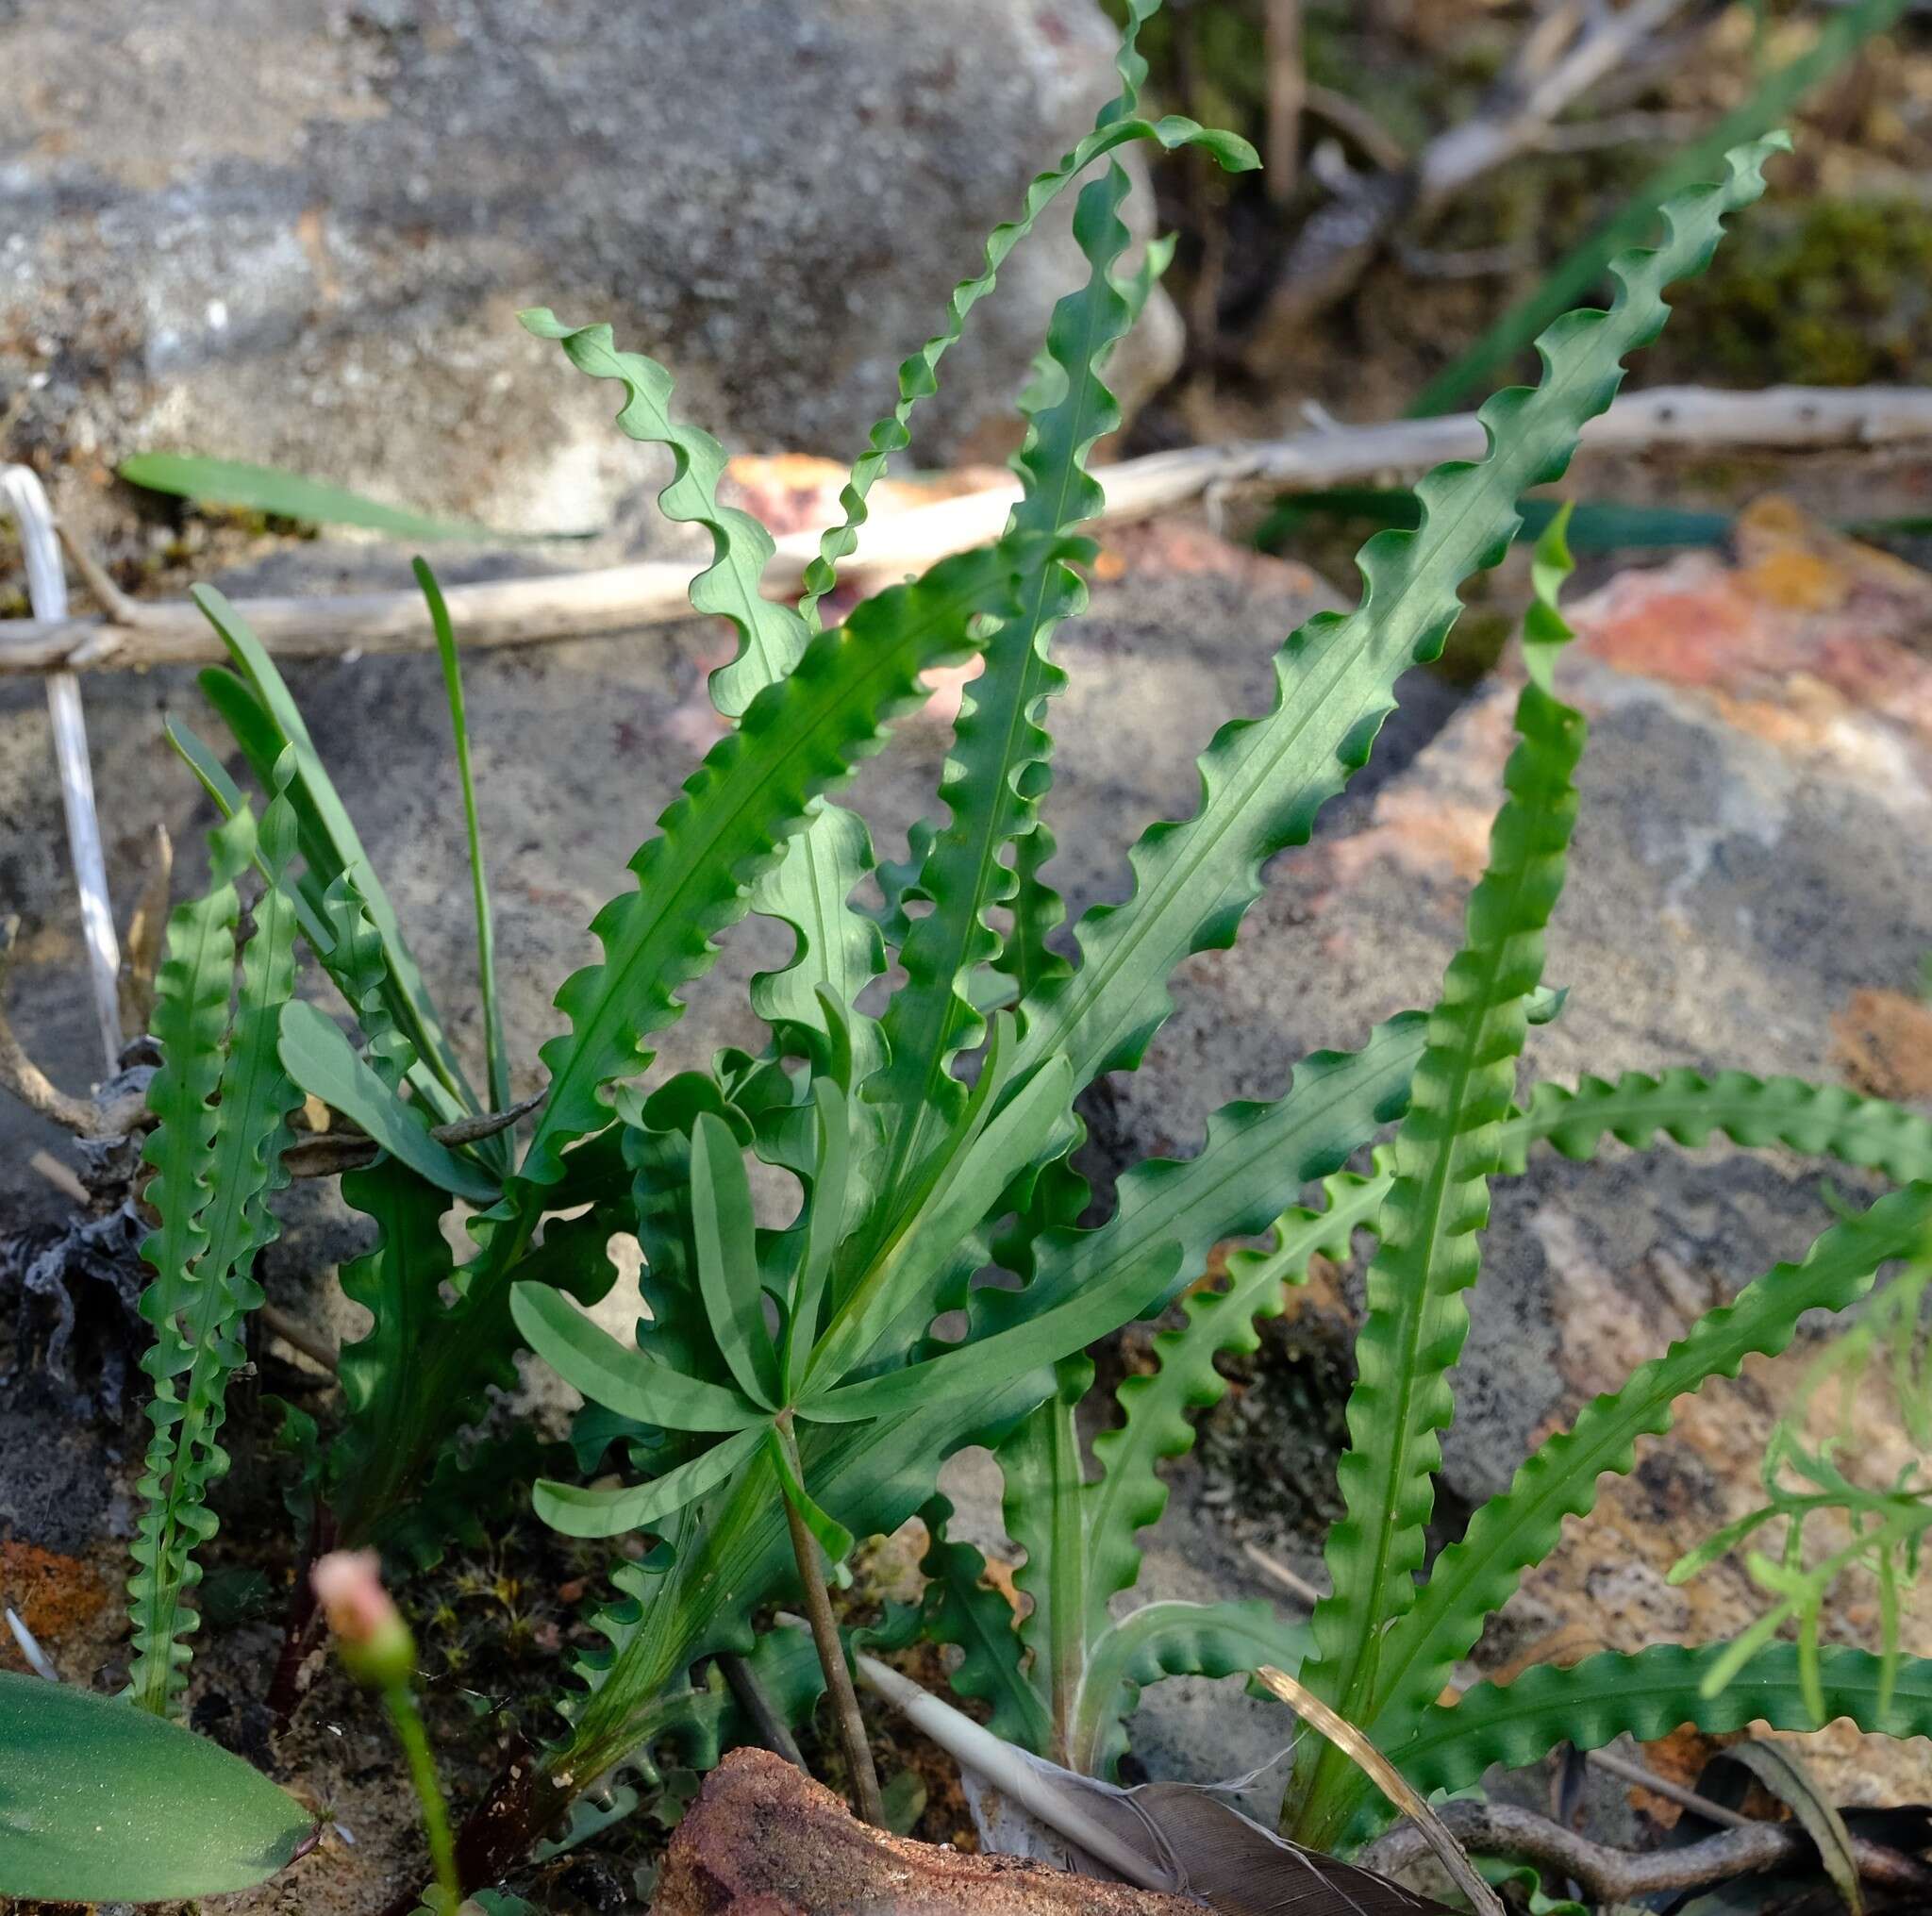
(1835, 293)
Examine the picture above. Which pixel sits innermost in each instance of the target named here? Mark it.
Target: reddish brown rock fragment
(764, 1840)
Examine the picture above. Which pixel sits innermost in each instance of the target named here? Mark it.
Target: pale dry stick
(298, 1337)
(329, 1153)
(147, 923)
(1388, 1779)
(1624, 1771)
(626, 598)
(25, 498)
(20, 1075)
(1353, 121)
(1287, 91)
(60, 1175)
(1457, 157)
(1292, 1581)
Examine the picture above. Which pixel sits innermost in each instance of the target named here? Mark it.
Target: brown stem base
(824, 1637)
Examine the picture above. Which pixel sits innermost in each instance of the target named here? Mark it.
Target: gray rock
(299, 234)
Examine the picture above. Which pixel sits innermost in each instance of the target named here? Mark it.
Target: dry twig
(1605, 1874)
(1570, 50)
(625, 598)
(20, 1075)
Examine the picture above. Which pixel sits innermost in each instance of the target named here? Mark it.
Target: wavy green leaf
(798, 737)
(1443, 1157)
(1517, 1528)
(1172, 1640)
(1116, 126)
(1155, 1425)
(809, 888)
(1263, 780)
(1648, 1695)
(191, 1018)
(1824, 1121)
(960, 1607)
(997, 771)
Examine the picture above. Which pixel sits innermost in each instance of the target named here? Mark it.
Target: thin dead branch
(1357, 125)
(1297, 1585)
(298, 1337)
(141, 944)
(1570, 50)
(628, 597)
(329, 1153)
(1605, 1874)
(20, 1075)
(1287, 91)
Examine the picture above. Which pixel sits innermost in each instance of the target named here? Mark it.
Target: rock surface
(300, 233)
(764, 1840)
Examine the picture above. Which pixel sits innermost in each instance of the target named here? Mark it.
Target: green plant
(785, 1391)
(107, 1804)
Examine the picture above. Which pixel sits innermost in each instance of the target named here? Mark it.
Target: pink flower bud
(375, 1642)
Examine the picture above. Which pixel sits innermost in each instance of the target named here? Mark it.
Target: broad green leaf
(322, 1060)
(1037, 1336)
(579, 1512)
(1516, 1529)
(727, 1263)
(1648, 1695)
(106, 1803)
(737, 1539)
(986, 1157)
(291, 495)
(1263, 780)
(824, 1228)
(634, 1382)
(496, 1057)
(198, 1341)
(1443, 1157)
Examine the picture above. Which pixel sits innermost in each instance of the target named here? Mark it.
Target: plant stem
(824, 1637)
(415, 1742)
